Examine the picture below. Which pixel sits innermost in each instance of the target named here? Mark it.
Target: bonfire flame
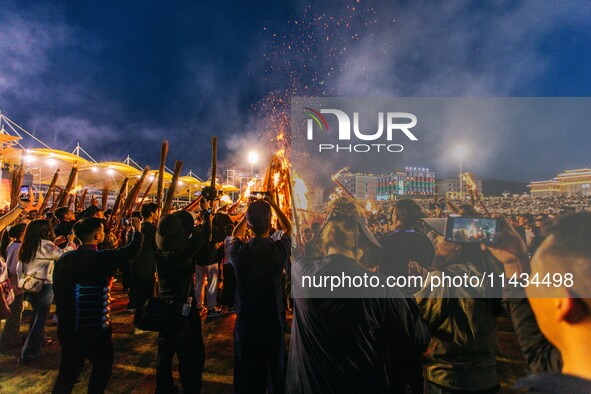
(340, 191)
(248, 187)
(337, 175)
(369, 206)
(468, 178)
(300, 189)
(75, 190)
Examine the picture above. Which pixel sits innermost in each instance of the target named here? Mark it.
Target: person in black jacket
(177, 241)
(67, 220)
(143, 267)
(81, 284)
(399, 248)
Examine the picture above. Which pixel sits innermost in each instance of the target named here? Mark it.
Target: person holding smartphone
(259, 347)
(462, 320)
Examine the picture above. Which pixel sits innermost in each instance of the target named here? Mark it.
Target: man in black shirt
(405, 243)
(259, 347)
(142, 268)
(81, 285)
(400, 247)
(67, 219)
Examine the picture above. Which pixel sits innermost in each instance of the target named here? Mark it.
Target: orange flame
(300, 190)
(248, 187)
(338, 173)
(370, 207)
(75, 190)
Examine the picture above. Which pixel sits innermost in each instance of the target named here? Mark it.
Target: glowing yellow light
(253, 157)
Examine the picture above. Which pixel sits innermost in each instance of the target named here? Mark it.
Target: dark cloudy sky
(119, 76)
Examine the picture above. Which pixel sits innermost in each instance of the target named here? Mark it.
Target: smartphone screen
(258, 195)
(24, 192)
(464, 229)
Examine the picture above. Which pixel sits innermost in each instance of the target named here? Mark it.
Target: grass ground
(135, 358)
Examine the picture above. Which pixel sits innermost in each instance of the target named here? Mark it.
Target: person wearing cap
(177, 241)
(562, 310)
(339, 338)
(259, 348)
(81, 284)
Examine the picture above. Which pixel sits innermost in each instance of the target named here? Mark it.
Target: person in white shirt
(37, 256)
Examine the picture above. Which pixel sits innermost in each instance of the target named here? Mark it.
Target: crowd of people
(407, 339)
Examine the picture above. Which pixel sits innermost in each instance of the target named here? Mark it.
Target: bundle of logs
(277, 182)
(126, 201)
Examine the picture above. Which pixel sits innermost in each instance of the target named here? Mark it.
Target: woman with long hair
(37, 256)
(339, 338)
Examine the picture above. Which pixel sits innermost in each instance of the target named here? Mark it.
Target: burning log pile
(470, 182)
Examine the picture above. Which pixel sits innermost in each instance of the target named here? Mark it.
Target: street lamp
(253, 157)
(460, 152)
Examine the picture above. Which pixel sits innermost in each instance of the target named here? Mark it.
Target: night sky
(119, 76)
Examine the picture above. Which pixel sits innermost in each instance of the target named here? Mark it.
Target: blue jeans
(40, 302)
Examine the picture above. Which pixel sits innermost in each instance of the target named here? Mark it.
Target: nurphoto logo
(396, 122)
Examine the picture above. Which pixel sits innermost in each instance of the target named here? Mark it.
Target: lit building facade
(568, 183)
(412, 182)
(361, 186)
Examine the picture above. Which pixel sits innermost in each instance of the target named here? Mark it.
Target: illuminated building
(568, 183)
(361, 186)
(411, 182)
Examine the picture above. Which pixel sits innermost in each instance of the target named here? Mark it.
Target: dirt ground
(135, 357)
